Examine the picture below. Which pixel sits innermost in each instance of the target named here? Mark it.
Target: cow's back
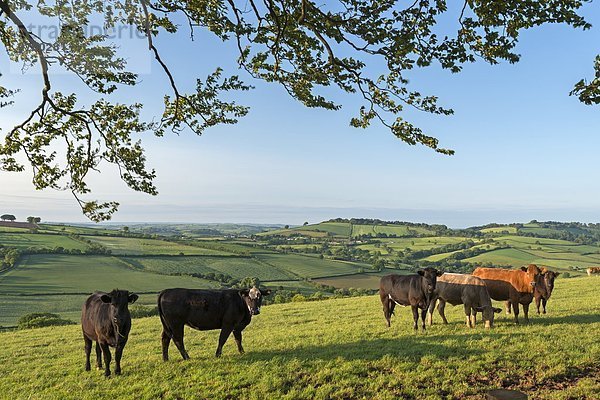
(200, 309)
(457, 288)
(401, 288)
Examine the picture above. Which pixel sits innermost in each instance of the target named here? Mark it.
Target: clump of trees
(8, 217)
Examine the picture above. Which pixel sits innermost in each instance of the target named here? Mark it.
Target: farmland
(313, 350)
(339, 254)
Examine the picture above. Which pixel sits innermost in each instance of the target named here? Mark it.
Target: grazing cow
(593, 270)
(105, 319)
(408, 290)
(463, 289)
(514, 285)
(229, 310)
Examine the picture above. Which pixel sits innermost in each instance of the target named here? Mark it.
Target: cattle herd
(106, 320)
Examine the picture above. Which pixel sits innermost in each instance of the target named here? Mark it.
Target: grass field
(39, 240)
(333, 349)
(236, 267)
(500, 229)
(137, 246)
(309, 267)
(362, 281)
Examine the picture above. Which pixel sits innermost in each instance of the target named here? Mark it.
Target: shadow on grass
(569, 319)
(409, 348)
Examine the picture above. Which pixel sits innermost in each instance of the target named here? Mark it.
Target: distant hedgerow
(39, 320)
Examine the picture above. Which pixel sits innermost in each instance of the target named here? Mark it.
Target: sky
(524, 148)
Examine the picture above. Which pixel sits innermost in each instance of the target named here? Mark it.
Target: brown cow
(543, 290)
(593, 270)
(514, 285)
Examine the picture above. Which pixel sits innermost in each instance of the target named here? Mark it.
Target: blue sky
(524, 148)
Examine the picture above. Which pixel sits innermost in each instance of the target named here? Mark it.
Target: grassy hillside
(334, 349)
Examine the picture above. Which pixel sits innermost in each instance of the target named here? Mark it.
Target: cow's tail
(166, 328)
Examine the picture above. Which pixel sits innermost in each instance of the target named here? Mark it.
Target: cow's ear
(524, 269)
(133, 298)
(497, 310)
(439, 273)
(421, 272)
(265, 292)
(244, 292)
(105, 298)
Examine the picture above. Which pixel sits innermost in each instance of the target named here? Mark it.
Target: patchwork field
(332, 349)
(137, 246)
(310, 267)
(236, 267)
(39, 240)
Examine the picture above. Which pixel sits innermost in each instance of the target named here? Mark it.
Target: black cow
(229, 310)
(408, 290)
(105, 319)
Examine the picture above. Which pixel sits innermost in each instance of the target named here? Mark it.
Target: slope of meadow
(333, 349)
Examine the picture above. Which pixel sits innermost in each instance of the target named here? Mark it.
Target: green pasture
(335, 228)
(49, 274)
(500, 229)
(309, 267)
(362, 281)
(332, 349)
(79, 230)
(138, 246)
(236, 267)
(401, 244)
(67, 306)
(398, 230)
(39, 240)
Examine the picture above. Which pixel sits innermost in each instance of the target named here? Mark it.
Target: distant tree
(125, 229)
(287, 227)
(8, 217)
(305, 223)
(37, 220)
(30, 219)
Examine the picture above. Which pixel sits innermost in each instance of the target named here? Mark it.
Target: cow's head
(488, 314)
(534, 273)
(549, 277)
(118, 311)
(429, 277)
(253, 298)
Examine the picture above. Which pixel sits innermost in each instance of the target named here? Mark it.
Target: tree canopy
(302, 45)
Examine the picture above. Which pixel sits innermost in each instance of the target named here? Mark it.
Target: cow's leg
(507, 306)
(225, 332)
(515, 308)
(473, 317)
(430, 311)
(238, 340)
(441, 307)
(544, 301)
(107, 357)
(98, 356)
(88, 350)
(415, 311)
(526, 312)
(118, 355)
(165, 340)
(178, 340)
(537, 304)
(468, 315)
(423, 315)
(387, 313)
